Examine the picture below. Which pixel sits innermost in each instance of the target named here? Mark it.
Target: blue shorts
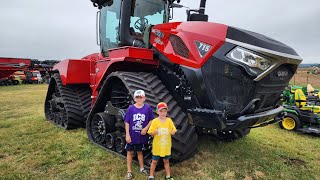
(135, 147)
(156, 158)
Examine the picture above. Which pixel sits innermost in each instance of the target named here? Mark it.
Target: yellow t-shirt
(161, 145)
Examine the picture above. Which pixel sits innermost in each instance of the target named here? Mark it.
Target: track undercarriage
(106, 128)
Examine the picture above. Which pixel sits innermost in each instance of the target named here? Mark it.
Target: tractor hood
(229, 69)
(193, 43)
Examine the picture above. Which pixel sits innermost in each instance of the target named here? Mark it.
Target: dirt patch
(293, 161)
(259, 174)
(247, 177)
(229, 175)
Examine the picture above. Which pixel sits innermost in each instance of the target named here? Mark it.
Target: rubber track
(77, 102)
(184, 142)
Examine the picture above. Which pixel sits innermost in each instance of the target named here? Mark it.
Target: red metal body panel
(121, 59)
(93, 68)
(206, 32)
(74, 71)
(10, 65)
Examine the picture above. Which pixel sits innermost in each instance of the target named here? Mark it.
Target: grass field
(32, 148)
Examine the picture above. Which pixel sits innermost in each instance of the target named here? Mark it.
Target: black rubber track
(76, 100)
(184, 142)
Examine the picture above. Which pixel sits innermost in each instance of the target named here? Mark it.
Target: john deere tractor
(301, 116)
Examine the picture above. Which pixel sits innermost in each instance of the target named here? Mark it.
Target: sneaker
(150, 178)
(170, 178)
(145, 172)
(129, 176)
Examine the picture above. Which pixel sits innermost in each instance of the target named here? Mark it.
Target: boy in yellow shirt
(161, 129)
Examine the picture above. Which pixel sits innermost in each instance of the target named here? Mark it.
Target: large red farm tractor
(216, 79)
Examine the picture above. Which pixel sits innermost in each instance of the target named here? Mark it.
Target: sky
(62, 29)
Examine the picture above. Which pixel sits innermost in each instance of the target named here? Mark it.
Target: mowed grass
(32, 148)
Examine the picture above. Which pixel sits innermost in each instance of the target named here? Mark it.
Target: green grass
(32, 148)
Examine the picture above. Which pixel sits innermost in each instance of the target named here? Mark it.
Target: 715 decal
(203, 48)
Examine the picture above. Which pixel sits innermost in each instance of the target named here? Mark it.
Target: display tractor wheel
(101, 125)
(120, 143)
(290, 122)
(67, 106)
(110, 139)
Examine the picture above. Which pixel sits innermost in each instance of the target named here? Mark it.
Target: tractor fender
(74, 71)
(290, 111)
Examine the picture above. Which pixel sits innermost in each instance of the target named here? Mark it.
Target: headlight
(249, 58)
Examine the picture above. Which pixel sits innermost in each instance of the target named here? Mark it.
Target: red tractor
(216, 79)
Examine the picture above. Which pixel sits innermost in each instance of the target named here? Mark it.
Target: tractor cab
(127, 22)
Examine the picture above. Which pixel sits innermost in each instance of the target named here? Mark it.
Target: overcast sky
(61, 29)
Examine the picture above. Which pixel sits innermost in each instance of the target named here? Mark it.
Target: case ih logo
(203, 48)
(283, 73)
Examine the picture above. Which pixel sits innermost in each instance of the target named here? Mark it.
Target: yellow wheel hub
(288, 123)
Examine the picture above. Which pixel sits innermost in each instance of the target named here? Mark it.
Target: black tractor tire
(290, 122)
(74, 103)
(15, 82)
(184, 142)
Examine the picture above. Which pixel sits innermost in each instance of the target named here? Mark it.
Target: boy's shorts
(135, 147)
(156, 158)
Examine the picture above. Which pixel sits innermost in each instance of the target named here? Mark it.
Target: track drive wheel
(101, 125)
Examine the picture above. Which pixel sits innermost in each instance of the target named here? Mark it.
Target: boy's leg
(153, 167)
(129, 160)
(166, 166)
(140, 159)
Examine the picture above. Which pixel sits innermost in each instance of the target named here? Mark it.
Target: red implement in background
(10, 65)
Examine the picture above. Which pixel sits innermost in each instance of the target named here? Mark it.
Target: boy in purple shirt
(137, 122)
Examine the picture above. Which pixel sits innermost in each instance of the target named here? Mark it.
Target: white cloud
(63, 29)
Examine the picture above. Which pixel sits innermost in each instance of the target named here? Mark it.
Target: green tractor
(312, 95)
(301, 115)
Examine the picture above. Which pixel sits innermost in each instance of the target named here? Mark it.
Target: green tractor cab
(301, 116)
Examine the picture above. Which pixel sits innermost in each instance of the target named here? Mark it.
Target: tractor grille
(270, 88)
(229, 88)
(179, 46)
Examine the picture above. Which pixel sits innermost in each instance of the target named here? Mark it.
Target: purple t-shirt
(137, 120)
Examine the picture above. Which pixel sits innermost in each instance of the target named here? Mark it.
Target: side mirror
(198, 17)
(174, 5)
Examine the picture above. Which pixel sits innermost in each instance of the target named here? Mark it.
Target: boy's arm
(152, 130)
(145, 129)
(173, 127)
(128, 138)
